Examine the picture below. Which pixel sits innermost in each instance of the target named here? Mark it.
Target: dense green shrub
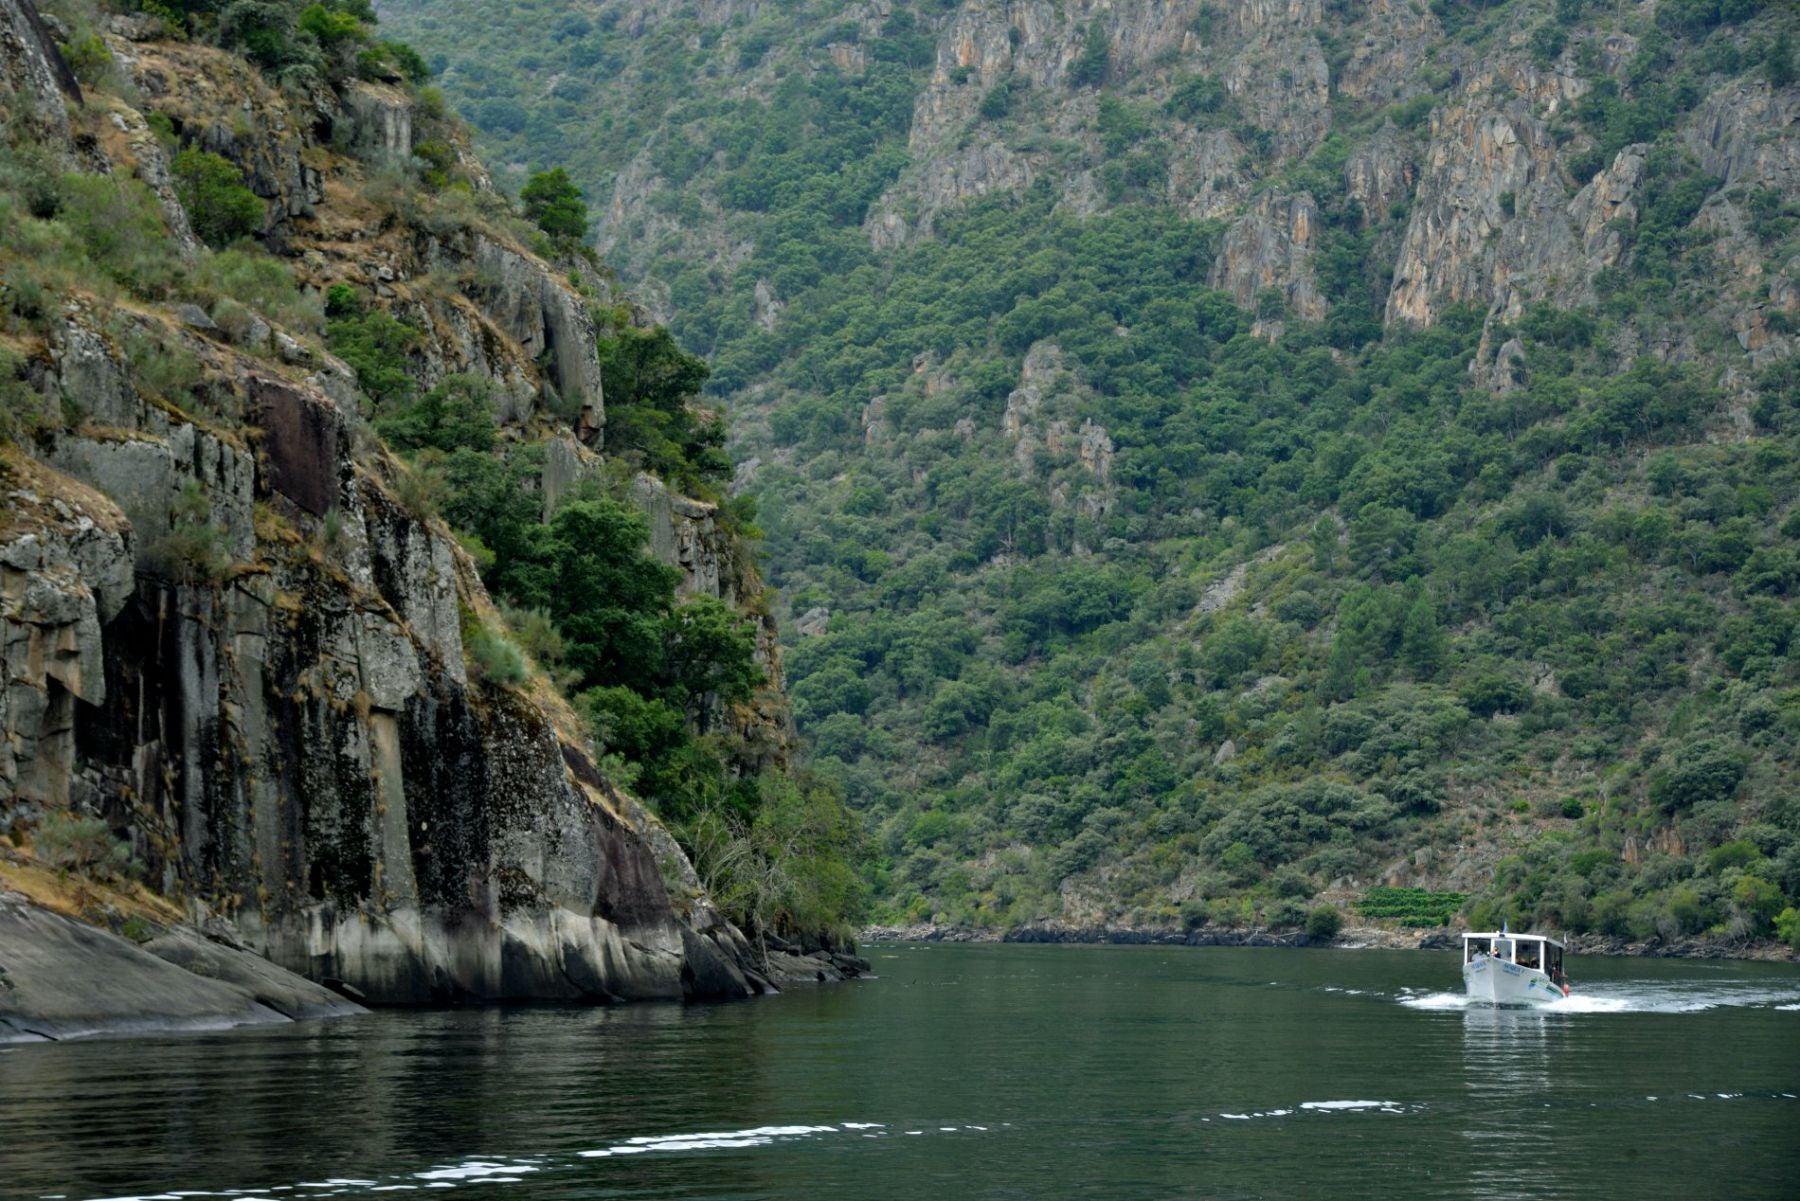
(491, 654)
(219, 207)
(457, 414)
(374, 343)
(553, 202)
(195, 549)
(73, 842)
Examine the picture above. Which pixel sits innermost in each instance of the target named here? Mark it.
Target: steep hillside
(331, 580)
(1222, 455)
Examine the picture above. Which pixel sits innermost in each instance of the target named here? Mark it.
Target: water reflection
(371, 1097)
(1509, 1076)
(1134, 1074)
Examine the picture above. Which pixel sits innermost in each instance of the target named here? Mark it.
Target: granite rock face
(34, 79)
(1464, 157)
(513, 319)
(1270, 247)
(299, 745)
(63, 979)
(65, 570)
(226, 635)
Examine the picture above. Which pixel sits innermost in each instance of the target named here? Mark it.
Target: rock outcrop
(35, 80)
(300, 745)
(226, 633)
(63, 979)
(1270, 248)
(513, 319)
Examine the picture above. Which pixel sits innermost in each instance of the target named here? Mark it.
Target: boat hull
(1500, 983)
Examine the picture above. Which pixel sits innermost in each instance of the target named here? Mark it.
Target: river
(973, 1071)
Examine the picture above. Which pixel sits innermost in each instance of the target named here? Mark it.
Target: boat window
(1528, 954)
(1503, 948)
(1473, 947)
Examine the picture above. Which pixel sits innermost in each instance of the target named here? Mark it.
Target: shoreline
(1351, 938)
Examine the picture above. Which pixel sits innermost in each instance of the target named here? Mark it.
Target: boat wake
(1319, 1107)
(1632, 997)
(516, 1170)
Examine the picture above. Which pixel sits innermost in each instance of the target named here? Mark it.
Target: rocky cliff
(231, 633)
(1468, 147)
(1045, 323)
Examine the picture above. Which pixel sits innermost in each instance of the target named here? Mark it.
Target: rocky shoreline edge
(63, 979)
(1350, 938)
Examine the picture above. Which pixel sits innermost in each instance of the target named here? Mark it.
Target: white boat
(1503, 968)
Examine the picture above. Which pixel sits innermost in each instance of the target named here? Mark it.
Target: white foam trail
(757, 1136)
(477, 1172)
(475, 1169)
(1587, 1003)
(1629, 997)
(1349, 1105)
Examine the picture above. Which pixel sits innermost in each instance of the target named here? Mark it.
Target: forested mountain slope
(362, 559)
(1218, 456)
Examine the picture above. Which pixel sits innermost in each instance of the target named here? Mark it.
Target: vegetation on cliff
(208, 255)
(1202, 471)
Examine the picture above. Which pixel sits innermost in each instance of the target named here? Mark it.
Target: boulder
(61, 979)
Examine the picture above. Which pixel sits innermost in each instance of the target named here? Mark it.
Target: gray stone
(195, 317)
(63, 979)
(34, 72)
(289, 995)
(293, 351)
(1270, 247)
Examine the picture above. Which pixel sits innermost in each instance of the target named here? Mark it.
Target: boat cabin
(1538, 951)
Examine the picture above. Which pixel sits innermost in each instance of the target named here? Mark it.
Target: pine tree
(554, 203)
(1422, 647)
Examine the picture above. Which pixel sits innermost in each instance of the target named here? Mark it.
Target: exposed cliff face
(489, 305)
(301, 746)
(1492, 219)
(35, 81)
(1475, 195)
(1270, 247)
(224, 632)
(65, 570)
(1265, 56)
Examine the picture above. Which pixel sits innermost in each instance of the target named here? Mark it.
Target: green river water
(974, 1071)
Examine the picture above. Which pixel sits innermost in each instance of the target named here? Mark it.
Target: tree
(457, 413)
(554, 203)
(711, 651)
(1706, 771)
(331, 27)
(375, 343)
(1422, 645)
(219, 206)
(589, 569)
(1780, 60)
(651, 384)
(1091, 68)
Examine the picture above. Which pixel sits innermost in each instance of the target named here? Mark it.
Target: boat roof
(1555, 942)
